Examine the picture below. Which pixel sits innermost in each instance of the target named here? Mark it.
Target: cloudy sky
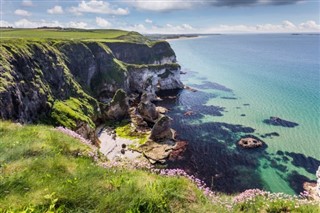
(166, 16)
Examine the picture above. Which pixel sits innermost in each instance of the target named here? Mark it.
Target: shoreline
(185, 38)
(115, 147)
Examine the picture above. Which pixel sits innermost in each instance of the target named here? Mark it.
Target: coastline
(185, 38)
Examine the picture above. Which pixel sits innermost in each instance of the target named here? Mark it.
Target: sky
(166, 16)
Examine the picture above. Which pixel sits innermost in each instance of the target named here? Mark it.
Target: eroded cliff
(65, 82)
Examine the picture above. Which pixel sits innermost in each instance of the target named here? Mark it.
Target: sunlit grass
(41, 167)
(44, 170)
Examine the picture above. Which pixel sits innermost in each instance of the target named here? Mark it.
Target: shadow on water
(213, 154)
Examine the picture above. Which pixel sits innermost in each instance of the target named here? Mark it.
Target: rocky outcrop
(147, 109)
(86, 131)
(313, 188)
(153, 78)
(161, 131)
(157, 152)
(161, 142)
(63, 82)
(249, 142)
(138, 122)
(119, 106)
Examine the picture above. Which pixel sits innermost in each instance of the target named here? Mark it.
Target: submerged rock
(249, 142)
(276, 121)
(119, 107)
(270, 135)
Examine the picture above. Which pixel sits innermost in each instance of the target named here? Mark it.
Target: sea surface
(241, 81)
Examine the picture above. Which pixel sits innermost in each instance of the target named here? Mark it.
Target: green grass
(124, 130)
(61, 34)
(43, 170)
(67, 112)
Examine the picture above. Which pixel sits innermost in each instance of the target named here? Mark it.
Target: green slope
(42, 168)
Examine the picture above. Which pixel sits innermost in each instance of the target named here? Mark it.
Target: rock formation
(147, 109)
(249, 143)
(161, 142)
(119, 106)
(161, 131)
(64, 82)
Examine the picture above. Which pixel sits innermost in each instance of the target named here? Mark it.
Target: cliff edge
(69, 81)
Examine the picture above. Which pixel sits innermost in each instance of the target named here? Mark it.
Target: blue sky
(166, 16)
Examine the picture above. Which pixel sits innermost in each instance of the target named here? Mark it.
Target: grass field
(110, 35)
(44, 170)
(61, 33)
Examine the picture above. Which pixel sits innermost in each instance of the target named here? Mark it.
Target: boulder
(161, 110)
(157, 152)
(148, 111)
(137, 120)
(119, 106)
(87, 132)
(250, 143)
(161, 130)
(178, 150)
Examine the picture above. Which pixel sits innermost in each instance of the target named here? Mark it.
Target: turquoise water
(263, 76)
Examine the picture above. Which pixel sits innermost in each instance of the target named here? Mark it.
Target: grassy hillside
(61, 33)
(73, 34)
(43, 170)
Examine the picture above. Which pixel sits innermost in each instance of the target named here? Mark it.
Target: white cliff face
(153, 79)
(166, 60)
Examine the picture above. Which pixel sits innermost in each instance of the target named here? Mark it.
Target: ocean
(242, 80)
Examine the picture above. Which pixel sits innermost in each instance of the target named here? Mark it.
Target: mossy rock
(68, 113)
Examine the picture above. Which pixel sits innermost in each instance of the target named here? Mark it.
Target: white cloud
(102, 22)
(22, 13)
(170, 5)
(4, 23)
(25, 23)
(27, 3)
(149, 21)
(166, 29)
(156, 5)
(183, 28)
(55, 10)
(80, 24)
(99, 7)
(284, 27)
(310, 25)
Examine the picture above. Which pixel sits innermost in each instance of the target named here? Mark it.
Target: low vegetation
(44, 170)
(124, 130)
(61, 33)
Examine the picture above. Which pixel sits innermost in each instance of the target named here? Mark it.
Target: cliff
(65, 81)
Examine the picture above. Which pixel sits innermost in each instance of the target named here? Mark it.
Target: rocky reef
(276, 121)
(250, 142)
(71, 82)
